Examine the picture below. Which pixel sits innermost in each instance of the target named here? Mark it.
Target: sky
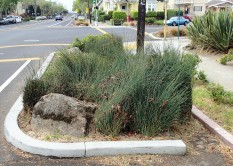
(66, 3)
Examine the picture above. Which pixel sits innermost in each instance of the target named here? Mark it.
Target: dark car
(174, 21)
(59, 17)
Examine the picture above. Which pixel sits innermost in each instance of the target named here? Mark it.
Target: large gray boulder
(60, 114)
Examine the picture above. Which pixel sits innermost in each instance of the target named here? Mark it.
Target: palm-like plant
(213, 31)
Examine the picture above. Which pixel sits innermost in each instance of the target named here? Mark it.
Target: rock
(60, 114)
(200, 147)
(199, 142)
(73, 50)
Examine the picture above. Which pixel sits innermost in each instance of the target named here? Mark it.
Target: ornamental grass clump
(154, 94)
(213, 31)
(143, 93)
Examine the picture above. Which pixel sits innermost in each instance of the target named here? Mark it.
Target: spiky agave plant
(213, 31)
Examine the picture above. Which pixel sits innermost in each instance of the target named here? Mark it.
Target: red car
(187, 17)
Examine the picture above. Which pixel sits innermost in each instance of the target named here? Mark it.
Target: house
(130, 5)
(189, 7)
(218, 5)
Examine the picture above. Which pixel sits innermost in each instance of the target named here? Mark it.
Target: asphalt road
(23, 48)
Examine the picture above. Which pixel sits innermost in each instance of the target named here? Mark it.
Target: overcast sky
(66, 3)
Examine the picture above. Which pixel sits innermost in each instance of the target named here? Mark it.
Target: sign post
(178, 2)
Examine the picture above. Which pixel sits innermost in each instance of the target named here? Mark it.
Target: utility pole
(35, 8)
(178, 1)
(141, 25)
(165, 20)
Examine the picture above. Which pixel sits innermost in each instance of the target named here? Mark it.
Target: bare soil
(203, 148)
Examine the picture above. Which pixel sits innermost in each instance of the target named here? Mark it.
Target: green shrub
(33, 91)
(105, 45)
(78, 43)
(119, 15)
(142, 93)
(155, 93)
(160, 15)
(150, 20)
(202, 76)
(101, 13)
(134, 15)
(212, 31)
(101, 18)
(110, 14)
(159, 22)
(151, 14)
(171, 13)
(106, 17)
(227, 58)
(28, 18)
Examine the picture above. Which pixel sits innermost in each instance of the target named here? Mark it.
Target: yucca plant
(213, 31)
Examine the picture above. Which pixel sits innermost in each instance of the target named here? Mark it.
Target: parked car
(174, 21)
(58, 17)
(11, 19)
(188, 18)
(18, 19)
(3, 21)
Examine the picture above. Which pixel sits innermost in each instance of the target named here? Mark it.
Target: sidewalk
(216, 72)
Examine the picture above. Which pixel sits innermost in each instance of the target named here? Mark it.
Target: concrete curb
(213, 127)
(22, 141)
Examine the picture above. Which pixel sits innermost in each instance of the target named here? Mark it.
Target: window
(198, 8)
(150, 6)
(123, 7)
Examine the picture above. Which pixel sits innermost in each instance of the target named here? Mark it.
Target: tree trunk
(141, 25)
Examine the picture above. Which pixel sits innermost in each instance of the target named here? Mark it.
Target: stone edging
(213, 127)
(22, 141)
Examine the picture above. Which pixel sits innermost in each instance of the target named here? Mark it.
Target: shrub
(171, 13)
(202, 76)
(105, 45)
(159, 22)
(110, 14)
(33, 91)
(101, 13)
(160, 15)
(28, 18)
(119, 15)
(219, 94)
(212, 31)
(143, 93)
(151, 14)
(150, 20)
(118, 21)
(106, 17)
(227, 58)
(101, 18)
(154, 94)
(134, 15)
(171, 32)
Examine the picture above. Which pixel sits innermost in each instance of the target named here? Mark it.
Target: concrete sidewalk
(216, 72)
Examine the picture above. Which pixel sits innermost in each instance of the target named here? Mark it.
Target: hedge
(151, 14)
(134, 14)
(119, 15)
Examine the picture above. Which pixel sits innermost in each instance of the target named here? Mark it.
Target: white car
(18, 19)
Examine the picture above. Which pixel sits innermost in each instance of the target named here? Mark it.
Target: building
(218, 5)
(189, 7)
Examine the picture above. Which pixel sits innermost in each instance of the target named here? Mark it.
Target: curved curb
(22, 141)
(213, 127)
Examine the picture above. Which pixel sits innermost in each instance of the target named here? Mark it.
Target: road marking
(31, 40)
(19, 59)
(69, 23)
(102, 31)
(33, 45)
(59, 23)
(146, 33)
(7, 82)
